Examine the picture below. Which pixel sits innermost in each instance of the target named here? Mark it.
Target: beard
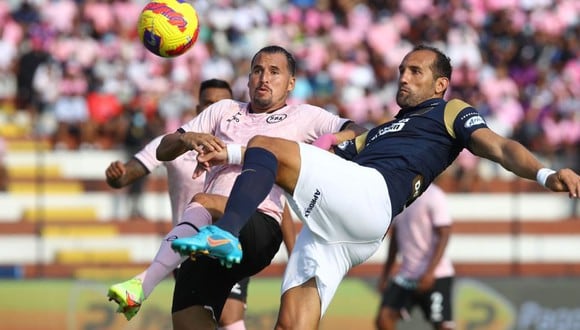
(261, 102)
(406, 100)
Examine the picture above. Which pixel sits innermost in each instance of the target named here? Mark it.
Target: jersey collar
(421, 108)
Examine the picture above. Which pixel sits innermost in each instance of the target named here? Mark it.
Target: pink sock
(238, 325)
(166, 259)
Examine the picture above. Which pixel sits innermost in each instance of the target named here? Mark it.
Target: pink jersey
(232, 122)
(415, 236)
(179, 171)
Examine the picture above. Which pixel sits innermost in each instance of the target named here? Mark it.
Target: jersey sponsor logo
(276, 118)
(474, 121)
(394, 127)
(312, 204)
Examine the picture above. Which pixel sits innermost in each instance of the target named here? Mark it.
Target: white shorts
(346, 211)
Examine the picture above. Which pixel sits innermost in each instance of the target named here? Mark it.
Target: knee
(193, 318)
(232, 317)
(386, 320)
(284, 323)
(214, 204)
(200, 198)
(260, 141)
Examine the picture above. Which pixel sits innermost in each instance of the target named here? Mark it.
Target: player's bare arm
(120, 175)
(519, 160)
(201, 142)
(350, 131)
(427, 281)
(390, 262)
(175, 144)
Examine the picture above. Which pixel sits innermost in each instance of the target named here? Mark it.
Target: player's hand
(115, 170)
(426, 282)
(201, 142)
(205, 160)
(565, 180)
(382, 283)
(114, 173)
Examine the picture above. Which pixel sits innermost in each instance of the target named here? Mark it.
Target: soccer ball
(168, 28)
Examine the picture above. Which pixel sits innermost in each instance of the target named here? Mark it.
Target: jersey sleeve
(461, 120)
(207, 120)
(349, 149)
(438, 207)
(323, 121)
(147, 155)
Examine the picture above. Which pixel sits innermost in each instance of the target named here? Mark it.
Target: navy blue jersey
(414, 148)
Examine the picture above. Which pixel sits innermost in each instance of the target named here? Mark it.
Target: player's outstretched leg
(128, 295)
(212, 241)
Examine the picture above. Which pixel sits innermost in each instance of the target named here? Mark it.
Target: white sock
(238, 325)
(166, 259)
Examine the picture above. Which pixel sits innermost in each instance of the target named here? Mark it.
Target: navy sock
(251, 187)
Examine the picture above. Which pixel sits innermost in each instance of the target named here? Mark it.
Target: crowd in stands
(79, 71)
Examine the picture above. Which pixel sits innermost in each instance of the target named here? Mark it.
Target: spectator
(3, 167)
(348, 51)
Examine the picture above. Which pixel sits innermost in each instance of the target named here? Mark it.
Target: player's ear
(441, 85)
(291, 83)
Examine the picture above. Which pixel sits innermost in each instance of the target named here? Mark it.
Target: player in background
(419, 235)
(181, 187)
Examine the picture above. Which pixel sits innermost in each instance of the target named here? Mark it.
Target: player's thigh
(312, 257)
(260, 238)
(436, 304)
(235, 307)
(214, 204)
(397, 300)
(203, 282)
(234, 311)
(193, 318)
(387, 318)
(300, 307)
(339, 200)
(395, 304)
(288, 155)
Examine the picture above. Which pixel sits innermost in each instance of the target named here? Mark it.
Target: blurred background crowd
(77, 72)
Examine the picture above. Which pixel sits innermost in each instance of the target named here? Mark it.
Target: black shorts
(204, 282)
(435, 304)
(240, 290)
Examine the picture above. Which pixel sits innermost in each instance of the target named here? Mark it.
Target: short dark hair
(441, 67)
(215, 83)
(277, 49)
